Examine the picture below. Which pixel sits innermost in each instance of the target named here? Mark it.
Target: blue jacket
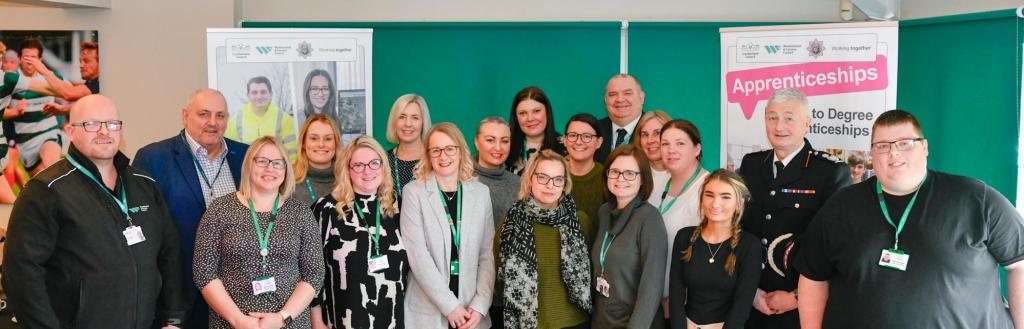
(170, 162)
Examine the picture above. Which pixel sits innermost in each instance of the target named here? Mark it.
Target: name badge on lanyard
(263, 285)
(133, 235)
(895, 258)
(378, 263)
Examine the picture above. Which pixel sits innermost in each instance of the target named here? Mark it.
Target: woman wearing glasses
(582, 139)
(364, 286)
(314, 169)
(320, 95)
(448, 231)
(258, 259)
(628, 256)
(533, 128)
(407, 124)
(543, 260)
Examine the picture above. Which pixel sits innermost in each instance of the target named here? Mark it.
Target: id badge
(378, 263)
(895, 259)
(133, 234)
(602, 286)
(454, 268)
(264, 284)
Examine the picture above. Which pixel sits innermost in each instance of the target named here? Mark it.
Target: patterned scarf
(518, 253)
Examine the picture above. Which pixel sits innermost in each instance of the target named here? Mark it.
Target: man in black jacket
(624, 101)
(91, 243)
(788, 184)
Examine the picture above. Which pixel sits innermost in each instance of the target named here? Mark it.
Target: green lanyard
(456, 226)
(310, 188)
(906, 212)
(202, 173)
(264, 239)
(662, 207)
(394, 169)
(122, 203)
(376, 234)
(525, 159)
(605, 245)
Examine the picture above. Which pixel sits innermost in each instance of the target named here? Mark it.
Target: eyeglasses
(901, 145)
(450, 150)
(319, 90)
(264, 162)
(573, 137)
(557, 181)
(629, 175)
(94, 126)
(361, 167)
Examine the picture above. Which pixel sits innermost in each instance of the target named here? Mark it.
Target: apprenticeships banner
(848, 72)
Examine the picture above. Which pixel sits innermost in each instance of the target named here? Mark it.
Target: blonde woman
(715, 266)
(258, 260)
(448, 231)
(364, 286)
(407, 126)
(543, 260)
(314, 169)
(647, 136)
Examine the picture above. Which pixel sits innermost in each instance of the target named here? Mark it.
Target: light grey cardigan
(428, 238)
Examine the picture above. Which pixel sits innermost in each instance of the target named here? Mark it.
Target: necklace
(712, 259)
(449, 197)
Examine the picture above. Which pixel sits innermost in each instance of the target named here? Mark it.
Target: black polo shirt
(957, 234)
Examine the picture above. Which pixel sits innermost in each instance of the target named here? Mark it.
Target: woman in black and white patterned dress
(366, 262)
(258, 260)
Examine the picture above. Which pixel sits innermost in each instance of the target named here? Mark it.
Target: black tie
(620, 136)
(778, 169)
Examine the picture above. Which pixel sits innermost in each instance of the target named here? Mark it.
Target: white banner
(291, 74)
(848, 72)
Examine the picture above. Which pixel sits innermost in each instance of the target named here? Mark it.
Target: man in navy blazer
(193, 168)
(624, 101)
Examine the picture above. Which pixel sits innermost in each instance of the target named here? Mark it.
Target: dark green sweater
(588, 192)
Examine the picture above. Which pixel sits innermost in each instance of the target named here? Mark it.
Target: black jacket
(780, 210)
(608, 138)
(68, 265)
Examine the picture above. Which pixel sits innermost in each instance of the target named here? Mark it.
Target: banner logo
(305, 49)
(816, 48)
(264, 50)
(772, 48)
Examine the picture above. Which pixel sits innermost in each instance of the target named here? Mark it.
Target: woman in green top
(542, 255)
(582, 139)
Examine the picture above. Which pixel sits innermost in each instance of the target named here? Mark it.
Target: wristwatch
(285, 317)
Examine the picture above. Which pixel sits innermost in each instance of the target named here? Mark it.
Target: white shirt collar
(629, 126)
(785, 162)
(199, 149)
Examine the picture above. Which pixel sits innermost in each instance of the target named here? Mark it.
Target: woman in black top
(712, 282)
(407, 124)
(533, 128)
(364, 286)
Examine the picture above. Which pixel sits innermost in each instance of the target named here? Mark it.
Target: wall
(152, 55)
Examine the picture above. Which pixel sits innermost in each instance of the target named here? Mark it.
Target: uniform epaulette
(826, 156)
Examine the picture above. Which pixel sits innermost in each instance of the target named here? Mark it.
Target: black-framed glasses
(319, 90)
(450, 150)
(573, 137)
(629, 175)
(361, 166)
(94, 126)
(901, 145)
(264, 162)
(543, 179)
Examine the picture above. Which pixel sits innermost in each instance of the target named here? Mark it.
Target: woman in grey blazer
(447, 229)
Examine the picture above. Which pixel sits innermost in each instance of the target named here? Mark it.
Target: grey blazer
(428, 238)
